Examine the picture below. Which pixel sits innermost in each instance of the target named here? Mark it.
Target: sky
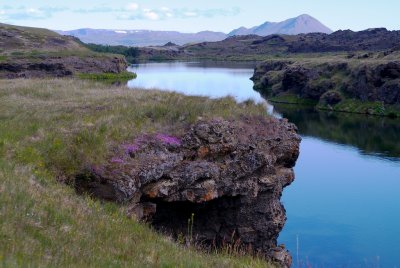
(194, 15)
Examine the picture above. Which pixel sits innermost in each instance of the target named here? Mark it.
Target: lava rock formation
(226, 175)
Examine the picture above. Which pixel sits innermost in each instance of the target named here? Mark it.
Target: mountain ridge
(301, 24)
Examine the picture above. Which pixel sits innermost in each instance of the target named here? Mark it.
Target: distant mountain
(302, 24)
(142, 37)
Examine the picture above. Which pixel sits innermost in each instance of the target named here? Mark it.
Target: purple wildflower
(168, 139)
(131, 148)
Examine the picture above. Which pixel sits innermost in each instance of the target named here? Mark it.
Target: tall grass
(49, 130)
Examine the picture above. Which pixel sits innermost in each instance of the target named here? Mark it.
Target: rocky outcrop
(360, 44)
(368, 40)
(31, 53)
(331, 82)
(226, 176)
(61, 66)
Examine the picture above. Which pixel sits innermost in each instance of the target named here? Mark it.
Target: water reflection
(343, 206)
(212, 79)
(378, 136)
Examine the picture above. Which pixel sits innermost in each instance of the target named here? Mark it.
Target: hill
(34, 52)
(141, 38)
(300, 25)
(254, 47)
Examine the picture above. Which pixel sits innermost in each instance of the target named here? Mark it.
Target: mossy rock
(331, 97)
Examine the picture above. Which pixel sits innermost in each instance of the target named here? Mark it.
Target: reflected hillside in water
(223, 64)
(372, 135)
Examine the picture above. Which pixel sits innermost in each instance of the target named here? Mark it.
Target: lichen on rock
(228, 173)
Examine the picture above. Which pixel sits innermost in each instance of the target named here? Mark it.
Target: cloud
(132, 7)
(29, 13)
(151, 15)
(102, 9)
(133, 11)
(165, 13)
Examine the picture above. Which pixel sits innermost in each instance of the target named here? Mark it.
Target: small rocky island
(226, 176)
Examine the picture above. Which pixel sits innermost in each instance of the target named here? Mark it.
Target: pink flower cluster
(131, 148)
(168, 139)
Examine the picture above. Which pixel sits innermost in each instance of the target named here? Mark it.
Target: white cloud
(27, 13)
(164, 13)
(151, 15)
(32, 11)
(132, 7)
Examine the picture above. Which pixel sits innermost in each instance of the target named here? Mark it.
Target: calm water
(203, 79)
(344, 207)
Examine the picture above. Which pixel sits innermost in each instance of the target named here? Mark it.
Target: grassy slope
(36, 44)
(49, 129)
(23, 39)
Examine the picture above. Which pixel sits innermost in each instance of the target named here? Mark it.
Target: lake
(343, 209)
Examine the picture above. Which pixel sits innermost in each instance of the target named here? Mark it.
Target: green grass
(49, 130)
(363, 107)
(124, 76)
(30, 30)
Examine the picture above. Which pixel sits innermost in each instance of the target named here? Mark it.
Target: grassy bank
(49, 130)
(109, 77)
(377, 108)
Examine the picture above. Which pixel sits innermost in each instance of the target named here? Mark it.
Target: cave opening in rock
(212, 223)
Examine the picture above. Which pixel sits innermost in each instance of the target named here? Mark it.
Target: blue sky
(193, 16)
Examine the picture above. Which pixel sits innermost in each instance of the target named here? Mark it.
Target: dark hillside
(34, 52)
